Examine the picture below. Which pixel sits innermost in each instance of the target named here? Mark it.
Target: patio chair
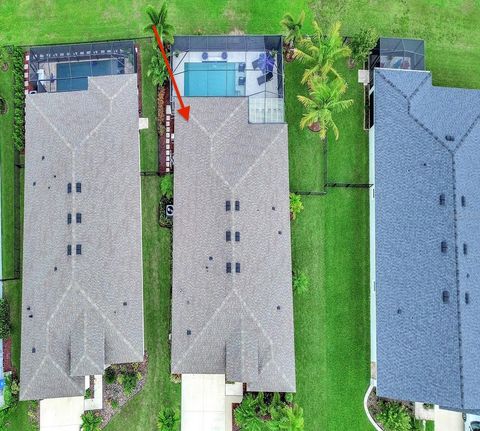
(241, 67)
(256, 63)
(265, 78)
(241, 80)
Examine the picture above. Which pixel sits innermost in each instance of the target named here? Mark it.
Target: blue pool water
(210, 78)
(80, 71)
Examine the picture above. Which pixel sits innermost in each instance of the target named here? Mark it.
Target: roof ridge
(457, 283)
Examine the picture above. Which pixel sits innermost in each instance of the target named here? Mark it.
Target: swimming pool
(80, 71)
(212, 78)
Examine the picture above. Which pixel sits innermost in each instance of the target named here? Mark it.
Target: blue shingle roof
(427, 345)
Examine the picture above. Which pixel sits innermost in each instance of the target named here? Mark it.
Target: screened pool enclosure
(233, 66)
(396, 53)
(67, 67)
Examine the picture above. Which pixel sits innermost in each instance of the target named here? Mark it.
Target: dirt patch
(114, 397)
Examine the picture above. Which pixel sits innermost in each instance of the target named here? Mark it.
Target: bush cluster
(394, 416)
(18, 99)
(129, 381)
(4, 319)
(261, 413)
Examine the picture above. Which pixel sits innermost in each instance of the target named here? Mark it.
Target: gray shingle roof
(427, 348)
(79, 322)
(240, 324)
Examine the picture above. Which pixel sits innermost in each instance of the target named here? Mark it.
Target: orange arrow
(184, 111)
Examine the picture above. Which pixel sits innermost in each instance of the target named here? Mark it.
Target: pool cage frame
(270, 45)
(411, 49)
(47, 57)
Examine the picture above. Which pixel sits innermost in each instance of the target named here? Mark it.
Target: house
(82, 301)
(232, 314)
(425, 167)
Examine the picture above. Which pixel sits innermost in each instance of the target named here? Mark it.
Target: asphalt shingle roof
(81, 312)
(426, 194)
(240, 324)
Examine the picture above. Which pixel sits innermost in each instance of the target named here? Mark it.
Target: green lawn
(141, 412)
(7, 167)
(148, 137)
(330, 244)
(329, 239)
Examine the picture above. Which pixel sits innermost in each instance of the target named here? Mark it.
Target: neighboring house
(425, 239)
(232, 314)
(82, 302)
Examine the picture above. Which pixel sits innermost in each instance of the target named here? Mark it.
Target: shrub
(246, 413)
(168, 419)
(114, 404)
(166, 186)
(289, 397)
(88, 393)
(296, 205)
(157, 70)
(110, 375)
(3, 106)
(394, 417)
(10, 392)
(129, 382)
(362, 43)
(91, 422)
(301, 284)
(18, 99)
(4, 319)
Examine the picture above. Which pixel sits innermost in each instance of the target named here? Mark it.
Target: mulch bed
(115, 391)
(7, 355)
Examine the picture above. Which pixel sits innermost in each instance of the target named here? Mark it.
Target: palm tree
(293, 29)
(159, 19)
(168, 419)
(324, 100)
(320, 52)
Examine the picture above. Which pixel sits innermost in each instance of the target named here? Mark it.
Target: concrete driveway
(446, 420)
(61, 414)
(203, 402)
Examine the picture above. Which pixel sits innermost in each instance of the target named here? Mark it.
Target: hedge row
(18, 99)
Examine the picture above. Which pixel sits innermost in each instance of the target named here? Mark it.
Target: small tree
(4, 319)
(301, 283)
(394, 417)
(361, 44)
(324, 100)
(158, 18)
(166, 186)
(293, 28)
(296, 205)
(168, 419)
(91, 422)
(157, 70)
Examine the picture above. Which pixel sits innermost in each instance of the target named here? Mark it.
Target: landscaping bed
(115, 391)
